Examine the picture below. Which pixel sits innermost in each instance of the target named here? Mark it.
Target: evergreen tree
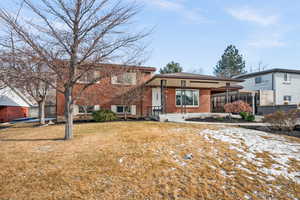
(171, 67)
(231, 63)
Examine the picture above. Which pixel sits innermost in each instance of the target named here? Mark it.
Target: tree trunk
(68, 114)
(125, 114)
(42, 111)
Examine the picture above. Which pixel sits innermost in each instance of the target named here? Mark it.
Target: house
(163, 93)
(276, 86)
(13, 104)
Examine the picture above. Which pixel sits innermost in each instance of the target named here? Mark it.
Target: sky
(195, 33)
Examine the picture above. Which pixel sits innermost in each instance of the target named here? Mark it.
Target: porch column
(163, 84)
(227, 92)
(183, 103)
(253, 103)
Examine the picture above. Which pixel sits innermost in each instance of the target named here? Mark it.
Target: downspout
(273, 88)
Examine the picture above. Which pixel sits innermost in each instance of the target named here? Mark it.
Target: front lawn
(142, 160)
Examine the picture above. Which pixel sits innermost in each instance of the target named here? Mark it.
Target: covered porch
(185, 93)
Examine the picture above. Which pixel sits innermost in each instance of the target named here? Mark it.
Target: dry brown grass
(128, 160)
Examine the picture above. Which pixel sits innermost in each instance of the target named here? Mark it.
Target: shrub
(247, 116)
(281, 120)
(237, 107)
(104, 116)
(244, 115)
(250, 118)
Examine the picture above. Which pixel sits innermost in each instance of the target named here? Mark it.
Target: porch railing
(154, 111)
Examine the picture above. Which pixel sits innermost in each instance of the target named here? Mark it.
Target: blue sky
(196, 32)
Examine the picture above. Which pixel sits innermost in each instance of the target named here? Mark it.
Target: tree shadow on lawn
(31, 140)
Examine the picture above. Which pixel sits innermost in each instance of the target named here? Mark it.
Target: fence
(264, 110)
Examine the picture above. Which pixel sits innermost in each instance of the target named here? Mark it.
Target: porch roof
(194, 81)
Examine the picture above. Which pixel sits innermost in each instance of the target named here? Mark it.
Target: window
(187, 97)
(85, 109)
(258, 80)
(125, 79)
(89, 76)
(287, 98)
(287, 77)
(123, 109)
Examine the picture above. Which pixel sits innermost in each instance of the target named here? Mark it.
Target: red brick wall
(9, 113)
(105, 94)
(204, 105)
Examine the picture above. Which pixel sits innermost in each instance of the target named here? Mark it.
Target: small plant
(247, 116)
(250, 118)
(220, 119)
(237, 107)
(281, 120)
(244, 115)
(104, 116)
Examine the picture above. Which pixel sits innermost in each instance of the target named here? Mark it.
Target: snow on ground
(249, 142)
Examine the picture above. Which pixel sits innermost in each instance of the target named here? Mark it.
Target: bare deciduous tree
(73, 36)
(133, 94)
(19, 71)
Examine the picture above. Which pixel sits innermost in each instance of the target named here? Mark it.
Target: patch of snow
(249, 142)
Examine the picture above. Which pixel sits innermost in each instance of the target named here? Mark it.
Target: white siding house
(281, 85)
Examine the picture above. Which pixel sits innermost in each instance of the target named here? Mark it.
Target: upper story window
(89, 76)
(287, 77)
(187, 98)
(128, 78)
(258, 80)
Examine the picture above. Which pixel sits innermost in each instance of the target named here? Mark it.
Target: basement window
(123, 109)
(85, 109)
(287, 98)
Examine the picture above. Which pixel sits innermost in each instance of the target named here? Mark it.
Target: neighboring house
(276, 86)
(164, 93)
(13, 104)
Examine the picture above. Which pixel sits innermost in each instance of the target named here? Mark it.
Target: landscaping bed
(219, 120)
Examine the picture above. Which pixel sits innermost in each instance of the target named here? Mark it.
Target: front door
(156, 98)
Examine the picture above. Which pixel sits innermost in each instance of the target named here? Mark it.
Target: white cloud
(179, 7)
(267, 41)
(253, 15)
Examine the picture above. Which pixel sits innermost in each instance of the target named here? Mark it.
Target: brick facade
(9, 113)
(204, 102)
(105, 94)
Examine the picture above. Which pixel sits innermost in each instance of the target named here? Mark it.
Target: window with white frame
(287, 98)
(83, 109)
(128, 78)
(89, 76)
(187, 98)
(123, 109)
